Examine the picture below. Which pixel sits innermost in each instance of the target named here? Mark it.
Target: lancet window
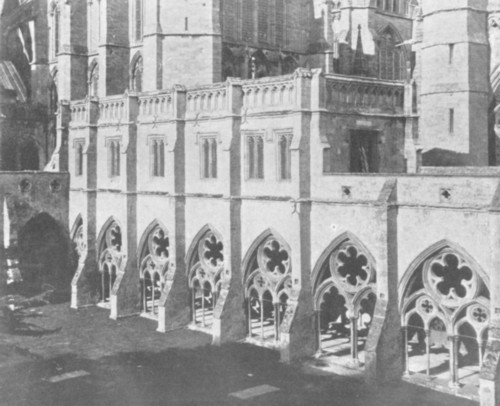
(255, 157)
(154, 261)
(344, 302)
(205, 278)
(268, 286)
(110, 260)
(445, 317)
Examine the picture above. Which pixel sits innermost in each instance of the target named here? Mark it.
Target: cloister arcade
(110, 258)
(206, 263)
(344, 300)
(445, 317)
(444, 297)
(153, 264)
(267, 273)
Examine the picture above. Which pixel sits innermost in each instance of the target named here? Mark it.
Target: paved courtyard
(66, 357)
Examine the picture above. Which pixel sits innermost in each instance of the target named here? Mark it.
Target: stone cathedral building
(317, 177)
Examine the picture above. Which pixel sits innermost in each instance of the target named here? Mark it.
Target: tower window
(57, 17)
(284, 157)
(158, 158)
(451, 52)
(138, 20)
(208, 158)
(255, 157)
(94, 81)
(451, 121)
(186, 24)
(114, 158)
(79, 159)
(136, 76)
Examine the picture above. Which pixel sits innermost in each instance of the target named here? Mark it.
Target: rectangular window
(255, 157)
(79, 159)
(57, 18)
(451, 121)
(138, 20)
(208, 157)
(114, 158)
(284, 157)
(364, 152)
(451, 52)
(157, 151)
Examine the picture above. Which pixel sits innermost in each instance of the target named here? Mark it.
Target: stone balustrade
(206, 100)
(156, 105)
(363, 94)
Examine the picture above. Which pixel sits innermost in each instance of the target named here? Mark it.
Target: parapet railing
(346, 92)
(158, 104)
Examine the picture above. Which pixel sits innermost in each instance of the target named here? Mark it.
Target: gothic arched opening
(110, 257)
(153, 265)
(205, 268)
(344, 297)
(445, 318)
(46, 258)
(267, 289)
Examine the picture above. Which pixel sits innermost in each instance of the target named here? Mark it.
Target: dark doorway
(46, 257)
(364, 151)
(29, 156)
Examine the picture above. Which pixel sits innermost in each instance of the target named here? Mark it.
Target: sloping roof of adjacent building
(11, 81)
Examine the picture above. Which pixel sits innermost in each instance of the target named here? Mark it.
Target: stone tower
(455, 89)
(183, 42)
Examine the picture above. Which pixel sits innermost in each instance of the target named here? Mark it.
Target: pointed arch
(337, 241)
(392, 56)
(76, 224)
(255, 245)
(93, 78)
(102, 234)
(194, 243)
(429, 252)
(136, 72)
(145, 235)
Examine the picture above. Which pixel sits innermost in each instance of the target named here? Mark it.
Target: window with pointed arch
(345, 298)
(94, 80)
(79, 240)
(268, 286)
(109, 261)
(206, 267)
(153, 265)
(136, 76)
(391, 58)
(445, 317)
(56, 30)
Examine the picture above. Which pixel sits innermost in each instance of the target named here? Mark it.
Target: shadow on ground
(201, 376)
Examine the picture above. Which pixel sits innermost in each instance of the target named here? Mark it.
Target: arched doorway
(445, 318)
(110, 258)
(344, 299)
(205, 267)
(267, 289)
(46, 259)
(153, 264)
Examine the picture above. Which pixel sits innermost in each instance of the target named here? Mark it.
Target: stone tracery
(344, 298)
(268, 286)
(110, 260)
(205, 277)
(154, 262)
(448, 288)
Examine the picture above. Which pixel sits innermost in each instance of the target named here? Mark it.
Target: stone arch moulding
(194, 242)
(104, 229)
(145, 235)
(430, 251)
(337, 241)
